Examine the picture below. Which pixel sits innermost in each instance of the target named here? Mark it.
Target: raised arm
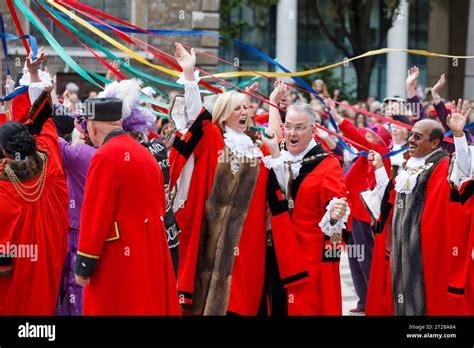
(192, 95)
(351, 132)
(274, 119)
(413, 102)
(456, 122)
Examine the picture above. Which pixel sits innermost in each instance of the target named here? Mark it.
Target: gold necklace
(20, 187)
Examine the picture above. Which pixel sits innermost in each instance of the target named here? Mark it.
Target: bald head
(98, 130)
(426, 137)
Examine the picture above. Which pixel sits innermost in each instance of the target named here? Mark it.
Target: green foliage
(332, 81)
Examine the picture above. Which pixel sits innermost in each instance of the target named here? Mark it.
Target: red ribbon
(18, 25)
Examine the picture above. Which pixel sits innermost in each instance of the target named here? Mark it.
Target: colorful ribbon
(54, 44)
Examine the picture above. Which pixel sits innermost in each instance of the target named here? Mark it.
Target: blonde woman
(220, 206)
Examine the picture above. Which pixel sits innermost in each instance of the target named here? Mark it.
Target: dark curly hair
(16, 139)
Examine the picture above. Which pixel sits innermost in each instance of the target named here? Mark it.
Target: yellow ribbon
(334, 65)
(248, 73)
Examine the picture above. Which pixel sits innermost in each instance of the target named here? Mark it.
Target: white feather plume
(126, 90)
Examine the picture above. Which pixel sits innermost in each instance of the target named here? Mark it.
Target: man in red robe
(123, 259)
(307, 199)
(420, 243)
(461, 283)
(33, 206)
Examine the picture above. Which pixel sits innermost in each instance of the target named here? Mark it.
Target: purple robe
(76, 159)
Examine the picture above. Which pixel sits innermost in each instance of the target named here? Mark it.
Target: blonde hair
(225, 105)
(325, 91)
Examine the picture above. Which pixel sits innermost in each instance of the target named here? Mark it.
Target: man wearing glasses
(419, 232)
(307, 200)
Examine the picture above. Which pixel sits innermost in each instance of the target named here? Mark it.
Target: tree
(342, 20)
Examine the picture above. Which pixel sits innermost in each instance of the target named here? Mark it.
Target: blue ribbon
(13, 94)
(31, 38)
(449, 133)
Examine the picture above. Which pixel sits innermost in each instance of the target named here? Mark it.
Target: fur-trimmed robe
(225, 214)
(225, 278)
(420, 244)
(415, 239)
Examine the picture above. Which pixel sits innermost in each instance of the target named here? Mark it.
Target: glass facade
(314, 49)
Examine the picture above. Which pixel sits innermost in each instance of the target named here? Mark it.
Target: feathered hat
(134, 116)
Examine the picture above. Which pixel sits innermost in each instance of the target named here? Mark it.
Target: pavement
(349, 297)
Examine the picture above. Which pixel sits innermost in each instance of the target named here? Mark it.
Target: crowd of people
(233, 204)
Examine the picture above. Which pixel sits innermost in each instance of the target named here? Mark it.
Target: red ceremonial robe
(360, 175)
(122, 241)
(31, 278)
(460, 255)
(205, 142)
(379, 293)
(462, 276)
(435, 248)
(307, 262)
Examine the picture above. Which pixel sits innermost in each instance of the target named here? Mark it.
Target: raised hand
(458, 118)
(9, 84)
(186, 60)
(252, 88)
(280, 91)
(33, 65)
(271, 142)
(332, 107)
(436, 89)
(110, 74)
(250, 92)
(412, 81)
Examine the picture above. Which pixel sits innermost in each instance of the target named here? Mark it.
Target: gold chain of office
(21, 188)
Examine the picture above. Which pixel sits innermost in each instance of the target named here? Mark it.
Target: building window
(117, 8)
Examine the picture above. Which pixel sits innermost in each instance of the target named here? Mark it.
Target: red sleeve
(201, 133)
(48, 141)
(10, 218)
(334, 185)
(351, 132)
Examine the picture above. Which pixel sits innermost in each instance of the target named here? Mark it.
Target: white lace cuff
(271, 162)
(45, 78)
(325, 223)
(182, 80)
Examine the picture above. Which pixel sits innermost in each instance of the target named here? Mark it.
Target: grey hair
(305, 107)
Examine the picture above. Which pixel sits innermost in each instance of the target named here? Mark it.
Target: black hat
(64, 124)
(396, 99)
(10, 129)
(103, 109)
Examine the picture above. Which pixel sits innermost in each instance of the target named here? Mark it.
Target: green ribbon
(54, 44)
(133, 71)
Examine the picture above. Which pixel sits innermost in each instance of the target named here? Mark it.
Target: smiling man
(418, 234)
(306, 196)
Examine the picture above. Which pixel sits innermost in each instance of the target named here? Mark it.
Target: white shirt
(463, 169)
(192, 96)
(281, 169)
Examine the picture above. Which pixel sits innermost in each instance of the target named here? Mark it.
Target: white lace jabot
(240, 144)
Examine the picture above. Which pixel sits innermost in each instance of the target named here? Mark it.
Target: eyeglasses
(416, 136)
(297, 129)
